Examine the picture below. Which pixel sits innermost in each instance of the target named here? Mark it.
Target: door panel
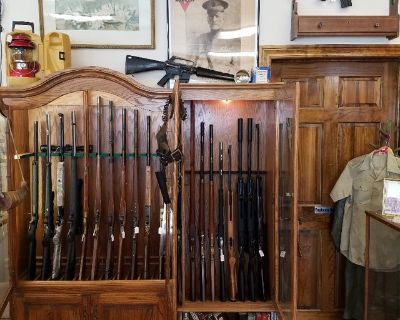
(341, 105)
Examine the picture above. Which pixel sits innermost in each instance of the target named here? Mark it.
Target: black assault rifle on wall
(173, 68)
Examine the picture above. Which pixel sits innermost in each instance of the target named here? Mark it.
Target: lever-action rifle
(60, 204)
(122, 204)
(73, 206)
(110, 208)
(34, 203)
(192, 208)
(97, 203)
(134, 64)
(48, 209)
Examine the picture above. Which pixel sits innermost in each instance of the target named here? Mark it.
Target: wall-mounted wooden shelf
(386, 26)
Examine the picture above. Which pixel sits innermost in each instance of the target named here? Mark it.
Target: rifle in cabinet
(60, 203)
(211, 217)
(221, 225)
(34, 206)
(48, 222)
(202, 220)
(97, 204)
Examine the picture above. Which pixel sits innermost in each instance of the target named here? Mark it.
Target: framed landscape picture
(100, 23)
(216, 34)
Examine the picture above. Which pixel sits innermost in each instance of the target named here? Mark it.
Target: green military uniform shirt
(362, 182)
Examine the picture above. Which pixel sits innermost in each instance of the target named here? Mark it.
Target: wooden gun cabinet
(273, 106)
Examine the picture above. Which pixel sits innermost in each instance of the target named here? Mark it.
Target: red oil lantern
(21, 56)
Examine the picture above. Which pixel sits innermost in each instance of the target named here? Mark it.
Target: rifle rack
(306, 26)
(274, 106)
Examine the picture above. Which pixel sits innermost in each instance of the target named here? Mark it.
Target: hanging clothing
(362, 180)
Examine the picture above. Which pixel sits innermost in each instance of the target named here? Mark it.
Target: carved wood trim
(331, 51)
(88, 78)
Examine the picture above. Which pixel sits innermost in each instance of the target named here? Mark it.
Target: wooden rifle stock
(48, 209)
(97, 205)
(135, 209)
(85, 191)
(231, 232)
(60, 204)
(211, 217)
(202, 222)
(147, 205)
(110, 207)
(221, 225)
(122, 206)
(34, 206)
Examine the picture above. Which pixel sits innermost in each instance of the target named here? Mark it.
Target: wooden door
(342, 103)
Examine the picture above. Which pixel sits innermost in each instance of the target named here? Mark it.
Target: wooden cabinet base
(142, 300)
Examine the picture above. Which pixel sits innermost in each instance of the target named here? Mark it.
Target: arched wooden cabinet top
(79, 79)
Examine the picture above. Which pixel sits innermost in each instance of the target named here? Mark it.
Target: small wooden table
(386, 221)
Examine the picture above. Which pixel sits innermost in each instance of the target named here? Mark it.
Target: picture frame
(221, 35)
(101, 24)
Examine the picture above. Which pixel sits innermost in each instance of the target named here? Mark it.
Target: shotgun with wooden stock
(85, 220)
(202, 219)
(147, 204)
(221, 225)
(192, 216)
(122, 204)
(48, 219)
(73, 206)
(97, 203)
(211, 216)
(251, 215)
(231, 233)
(263, 261)
(34, 205)
(242, 219)
(110, 206)
(60, 203)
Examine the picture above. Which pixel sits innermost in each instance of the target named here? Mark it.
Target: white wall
(275, 17)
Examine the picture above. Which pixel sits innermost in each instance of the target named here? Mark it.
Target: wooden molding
(353, 52)
(387, 26)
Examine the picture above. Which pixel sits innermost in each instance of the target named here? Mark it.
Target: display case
(267, 117)
(94, 103)
(120, 293)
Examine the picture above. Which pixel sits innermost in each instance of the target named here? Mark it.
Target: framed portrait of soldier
(221, 35)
